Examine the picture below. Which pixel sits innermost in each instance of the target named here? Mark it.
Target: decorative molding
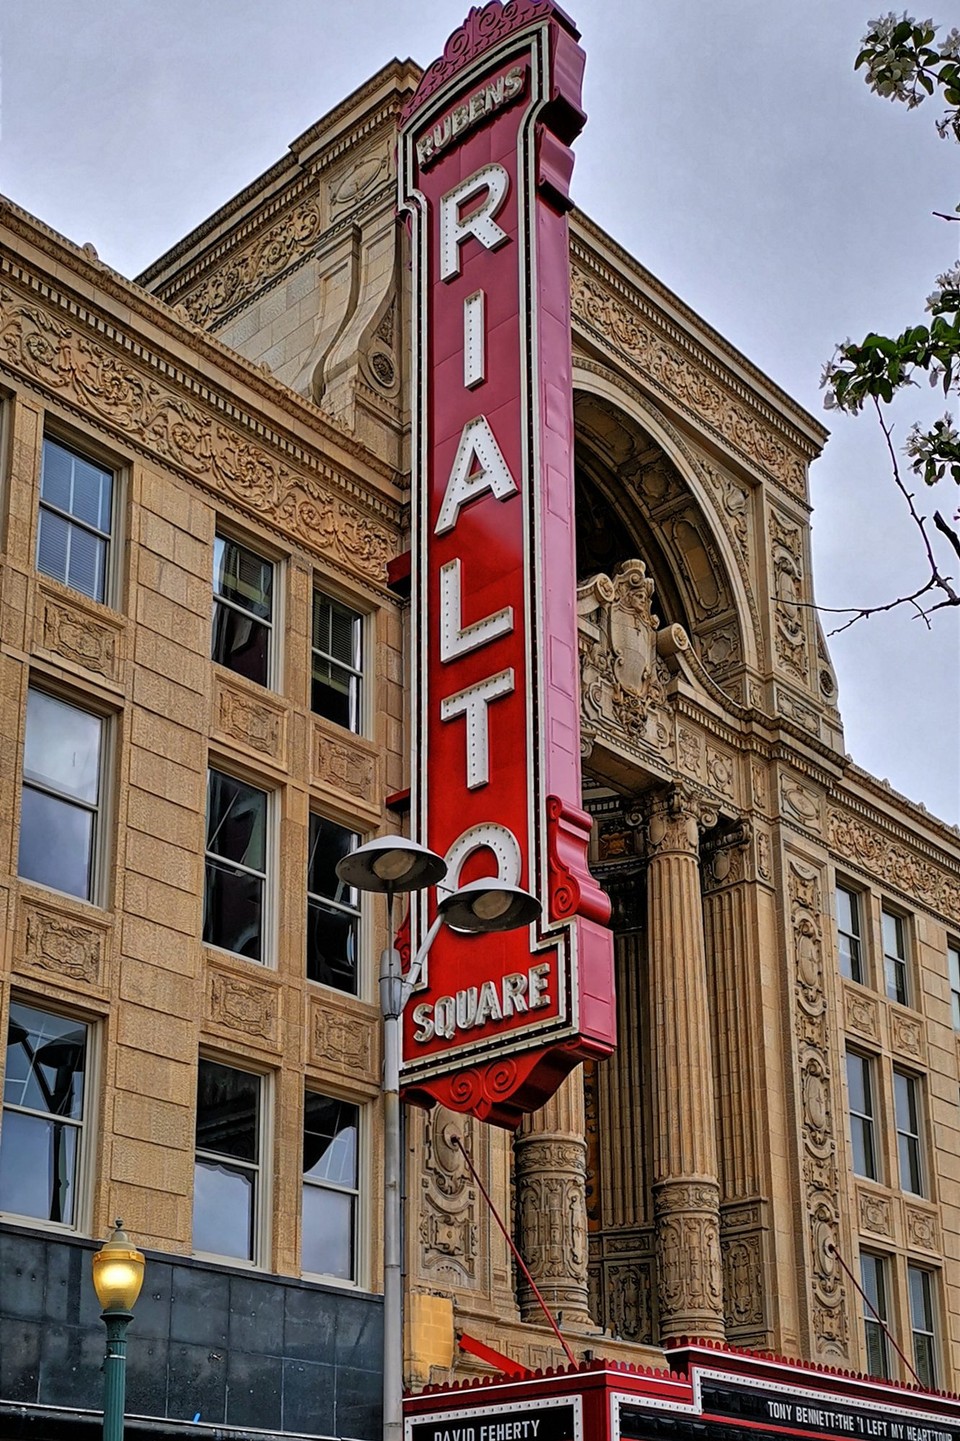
(483, 28)
(250, 720)
(248, 1008)
(62, 946)
(922, 1227)
(786, 556)
(449, 1225)
(346, 764)
(623, 680)
(906, 1035)
(342, 1041)
(67, 630)
(743, 1283)
(861, 1012)
(800, 804)
(875, 1212)
(857, 840)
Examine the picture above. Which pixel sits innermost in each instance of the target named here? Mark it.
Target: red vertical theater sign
(485, 166)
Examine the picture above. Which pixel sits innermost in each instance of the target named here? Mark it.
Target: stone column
(551, 1176)
(685, 1179)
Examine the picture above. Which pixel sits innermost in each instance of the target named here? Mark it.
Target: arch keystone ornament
(484, 172)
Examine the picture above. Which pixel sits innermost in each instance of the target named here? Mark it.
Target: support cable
(831, 1246)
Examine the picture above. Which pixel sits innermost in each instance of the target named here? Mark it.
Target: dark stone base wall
(241, 1349)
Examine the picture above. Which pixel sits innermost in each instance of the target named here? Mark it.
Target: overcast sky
(730, 148)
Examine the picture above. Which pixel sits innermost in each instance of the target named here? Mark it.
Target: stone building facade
(203, 484)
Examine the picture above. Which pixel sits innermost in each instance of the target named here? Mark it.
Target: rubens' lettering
(462, 118)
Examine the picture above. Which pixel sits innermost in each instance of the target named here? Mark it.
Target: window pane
(337, 630)
(236, 821)
(46, 1059)
(873, 1280)
(330, 1140)
(62, 749)
(953, 966)
(223, 1210)
(331, 947)
(329, 843)
(77, 486)
(233, 910)
(53, 545)
(335, 693)
(38, 1167)
(242, 577)
(328, 1232)
(56, 843)
(337, 662)
(241, 643)
(228, 1111)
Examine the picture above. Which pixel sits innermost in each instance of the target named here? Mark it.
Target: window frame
(931, 1381)
(224, 531)
(912, 1140)
(856, 940)
(871, 1323)
(101, 840)
(360, 673)
(261, 1168)
(356, 913)
(953, 979)
(866, 1120)
(85, 448)
(360, 1192)
(86, 1126)
(900, 964)
(268, 951)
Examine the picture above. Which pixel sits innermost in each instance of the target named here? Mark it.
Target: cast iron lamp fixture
(117, 1277)
(393, 865)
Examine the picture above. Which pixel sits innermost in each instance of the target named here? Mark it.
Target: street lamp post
(117, 1277)
(390, 866)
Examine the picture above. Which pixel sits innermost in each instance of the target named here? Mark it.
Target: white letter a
(478, 466)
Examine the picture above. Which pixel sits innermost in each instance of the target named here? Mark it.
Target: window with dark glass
(953, 967)
(873, 1279)
(331, 1186)
(922, 1326)
(60, 800)
(848, 934)
(860, 1094)
(333, 909)
(336, 689)
(895, 957)
(235, 874)
(226, 1191)
(242, 610)
(906, 1091)
(76, 520)
(41, 1130)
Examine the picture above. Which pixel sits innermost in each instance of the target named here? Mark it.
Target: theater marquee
(485, 166)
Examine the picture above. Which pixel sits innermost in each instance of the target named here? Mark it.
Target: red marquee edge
(728, 1395)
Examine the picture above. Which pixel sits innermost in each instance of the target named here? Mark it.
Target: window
(860, 1095)
(41, 1130)
(331, 1186)
(907, 1100)
(895, 957)
(921, 1324)
(873, 1279)
(235, 874)
(60, 803)
(242, 610)
(848, 934)
(953, 967)
(333, 909)
(226, 1186)
(336, 689)
(76, 519)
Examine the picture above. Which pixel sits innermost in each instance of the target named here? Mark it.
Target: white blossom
(948, 281)
(949, 46)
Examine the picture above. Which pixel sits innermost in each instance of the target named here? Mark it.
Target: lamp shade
(391, 863)
(118, 1272)
(489, 905)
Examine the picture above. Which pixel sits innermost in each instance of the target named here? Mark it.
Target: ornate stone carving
(884, 858)
(764, 858)
(800, 803)
(448, 1225)
(861, 1013)
(341, 1040)
(688, 1258)
(484, 27)
(68, 632)
(874, 1213)
(922, 1229)
(720, 770)
(551, 1209)
(690, 752)
(62, 946)
(344, 765)
(355, 180)
(788, 586)
(793, 708)
(906, 1035)
(251, 721)
(632, 332)
(743, 1283)
(173, 428)
(758, 776)
(622, 678)
(820, 1173)
(628, 1311)
(243, 1006)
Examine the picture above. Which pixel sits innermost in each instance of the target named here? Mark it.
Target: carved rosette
(820, 1178)
(551, 1174)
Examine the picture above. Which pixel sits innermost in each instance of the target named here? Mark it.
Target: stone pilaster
(686, 1189)
(551, 1178)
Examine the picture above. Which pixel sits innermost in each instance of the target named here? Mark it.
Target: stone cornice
(875, 845)
(207, 350)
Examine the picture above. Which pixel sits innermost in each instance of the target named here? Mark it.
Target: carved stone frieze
(61, 946)
(622, 678)
(906, 1035)
(449, 1217)
(743, 1283)
(251, 721)
(68, 631)
(631, 334)
(552, 1221)
(356, 179)
(628, 1301)
(923, 1233)
(801, 803)
(786, 551)
(690, 752)
(688, 1258)
(830, 1323)
(857, 840)
(874, 1212)
(344, 764)
(108, 386)
(861, 1012)
(720, 771)
(341, 1040)
(247, 1007)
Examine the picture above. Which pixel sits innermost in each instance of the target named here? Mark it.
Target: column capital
(674, 819)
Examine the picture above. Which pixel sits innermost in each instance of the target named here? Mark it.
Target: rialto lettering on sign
(484, 167)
